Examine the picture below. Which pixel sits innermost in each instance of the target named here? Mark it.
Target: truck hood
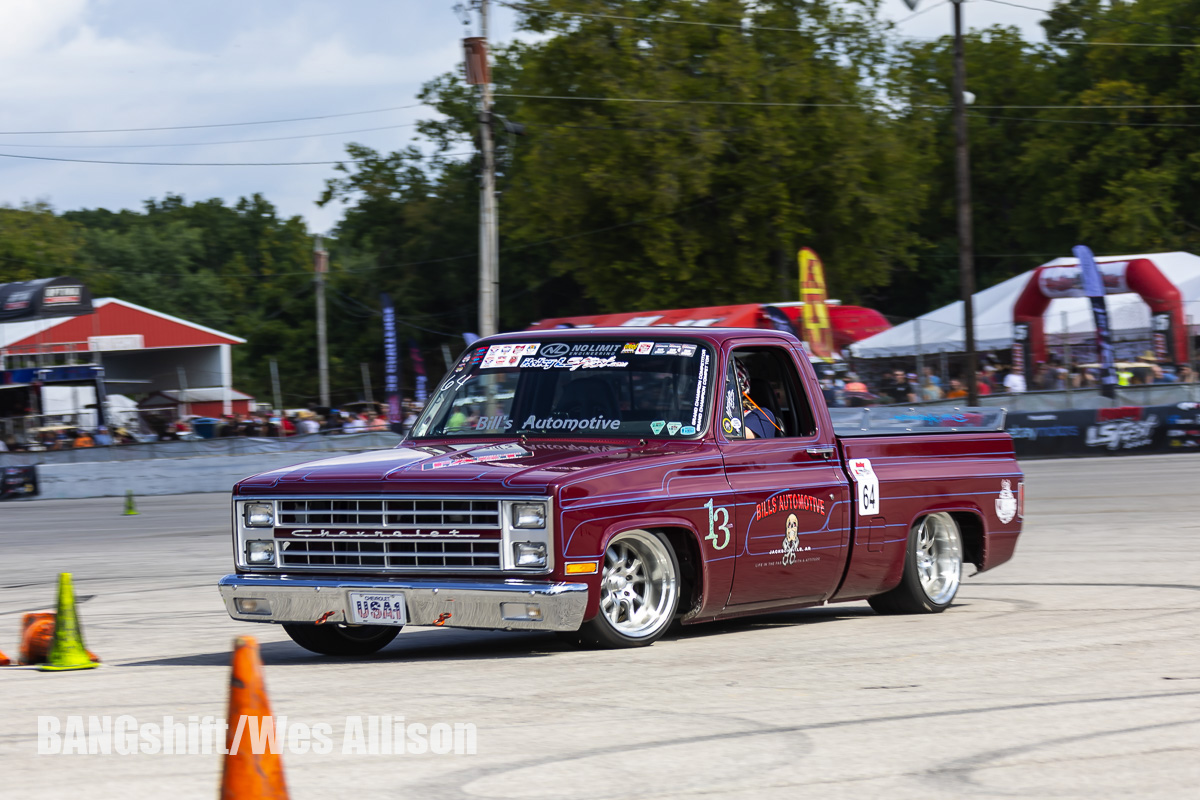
(506, 466)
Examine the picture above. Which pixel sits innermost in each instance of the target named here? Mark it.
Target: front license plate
(378, 609)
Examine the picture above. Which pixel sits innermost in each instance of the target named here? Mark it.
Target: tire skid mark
(469, 776)
(960, 771)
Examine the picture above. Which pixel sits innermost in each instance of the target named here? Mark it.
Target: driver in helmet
(758, 422)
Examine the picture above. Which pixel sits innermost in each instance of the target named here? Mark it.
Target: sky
(87, 65)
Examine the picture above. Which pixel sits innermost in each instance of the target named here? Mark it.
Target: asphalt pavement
(1072, 671)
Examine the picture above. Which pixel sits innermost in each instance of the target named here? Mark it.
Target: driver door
(792, 495)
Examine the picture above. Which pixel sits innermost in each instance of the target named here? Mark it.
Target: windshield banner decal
(573, 363)
(560, 424)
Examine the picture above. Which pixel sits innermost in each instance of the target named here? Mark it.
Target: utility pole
(320, 267)
(478, 74)
(181, 375)
(962, 177)
(275, 386)
(368, 395)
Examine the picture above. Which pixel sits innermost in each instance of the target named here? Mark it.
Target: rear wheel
(932, 569)
(342, 640)
(639, 592)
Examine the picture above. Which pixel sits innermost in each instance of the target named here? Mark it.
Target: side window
(731, 406)
(776, 394)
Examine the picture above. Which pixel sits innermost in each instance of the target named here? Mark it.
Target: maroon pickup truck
(609, 482)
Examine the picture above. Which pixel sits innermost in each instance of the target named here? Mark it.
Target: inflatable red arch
(1138, 275)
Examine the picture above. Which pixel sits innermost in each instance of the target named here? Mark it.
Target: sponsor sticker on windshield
(573, 363)
(673, 349)
(701, 390)
(507, 355)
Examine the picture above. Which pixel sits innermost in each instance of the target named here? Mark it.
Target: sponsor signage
(44, 298)
(18, 482)
(1106, 431)
(1069, 281)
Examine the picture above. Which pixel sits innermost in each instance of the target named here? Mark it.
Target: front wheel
(342, 640)
(639, 592)
(932, 569)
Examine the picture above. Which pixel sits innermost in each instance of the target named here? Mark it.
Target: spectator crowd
(257, 425)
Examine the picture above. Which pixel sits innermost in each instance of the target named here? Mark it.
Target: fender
(649, 522)
(974, 547)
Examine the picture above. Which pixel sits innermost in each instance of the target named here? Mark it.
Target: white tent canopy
(941, 331)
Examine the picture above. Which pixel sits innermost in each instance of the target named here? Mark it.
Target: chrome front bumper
(456, 604)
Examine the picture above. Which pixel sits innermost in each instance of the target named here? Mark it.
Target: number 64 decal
(868, 486)
(714, 514)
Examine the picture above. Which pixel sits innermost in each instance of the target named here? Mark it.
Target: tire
(932, 569)
(342, 640)
(639, 592)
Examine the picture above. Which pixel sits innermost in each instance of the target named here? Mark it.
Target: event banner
(18, 482)
(44, 298)
(1106, 431)
(1093, 287)
(391, 362)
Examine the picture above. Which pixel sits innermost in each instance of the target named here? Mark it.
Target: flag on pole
(391, 358)
(1093, 287)
(419, 370)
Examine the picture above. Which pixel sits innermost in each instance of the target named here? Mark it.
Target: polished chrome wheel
(932, 569)
(938, 557)
(639, 587)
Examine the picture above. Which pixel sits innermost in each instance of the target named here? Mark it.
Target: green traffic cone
(130, 508)
(66, 650)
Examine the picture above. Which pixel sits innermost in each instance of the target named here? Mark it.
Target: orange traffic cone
(4, 660)
(37, 634)
(248, 775)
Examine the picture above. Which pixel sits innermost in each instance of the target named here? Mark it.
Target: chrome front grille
(423, 512)
(480, 554)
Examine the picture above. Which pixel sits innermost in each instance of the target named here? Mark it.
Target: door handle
(824, 451)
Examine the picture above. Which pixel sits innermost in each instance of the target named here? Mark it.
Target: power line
(213, 125)
(747, 27)
(1091, 122)
(682, 102)
(656, 20)
(1119, 20)
(821, 105)
(1089, 43)
(208, 163)
(205, 144)
(925, 10)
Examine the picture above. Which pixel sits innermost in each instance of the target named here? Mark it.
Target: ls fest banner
(1106, 431)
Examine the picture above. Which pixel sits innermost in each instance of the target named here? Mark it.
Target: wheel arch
(971, 529)
(685, 541)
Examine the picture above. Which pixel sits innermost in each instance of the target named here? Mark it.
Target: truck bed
(897, 420)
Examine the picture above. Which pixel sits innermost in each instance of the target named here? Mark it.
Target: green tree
(35, 243)
(702, 203)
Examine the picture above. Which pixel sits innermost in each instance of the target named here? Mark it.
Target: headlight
(260, 553)
(529, 554)
(529, 515)
(259, 515)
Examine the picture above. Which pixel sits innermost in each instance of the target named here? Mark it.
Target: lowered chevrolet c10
(611, 482)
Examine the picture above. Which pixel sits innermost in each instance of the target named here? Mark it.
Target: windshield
(581, 387)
